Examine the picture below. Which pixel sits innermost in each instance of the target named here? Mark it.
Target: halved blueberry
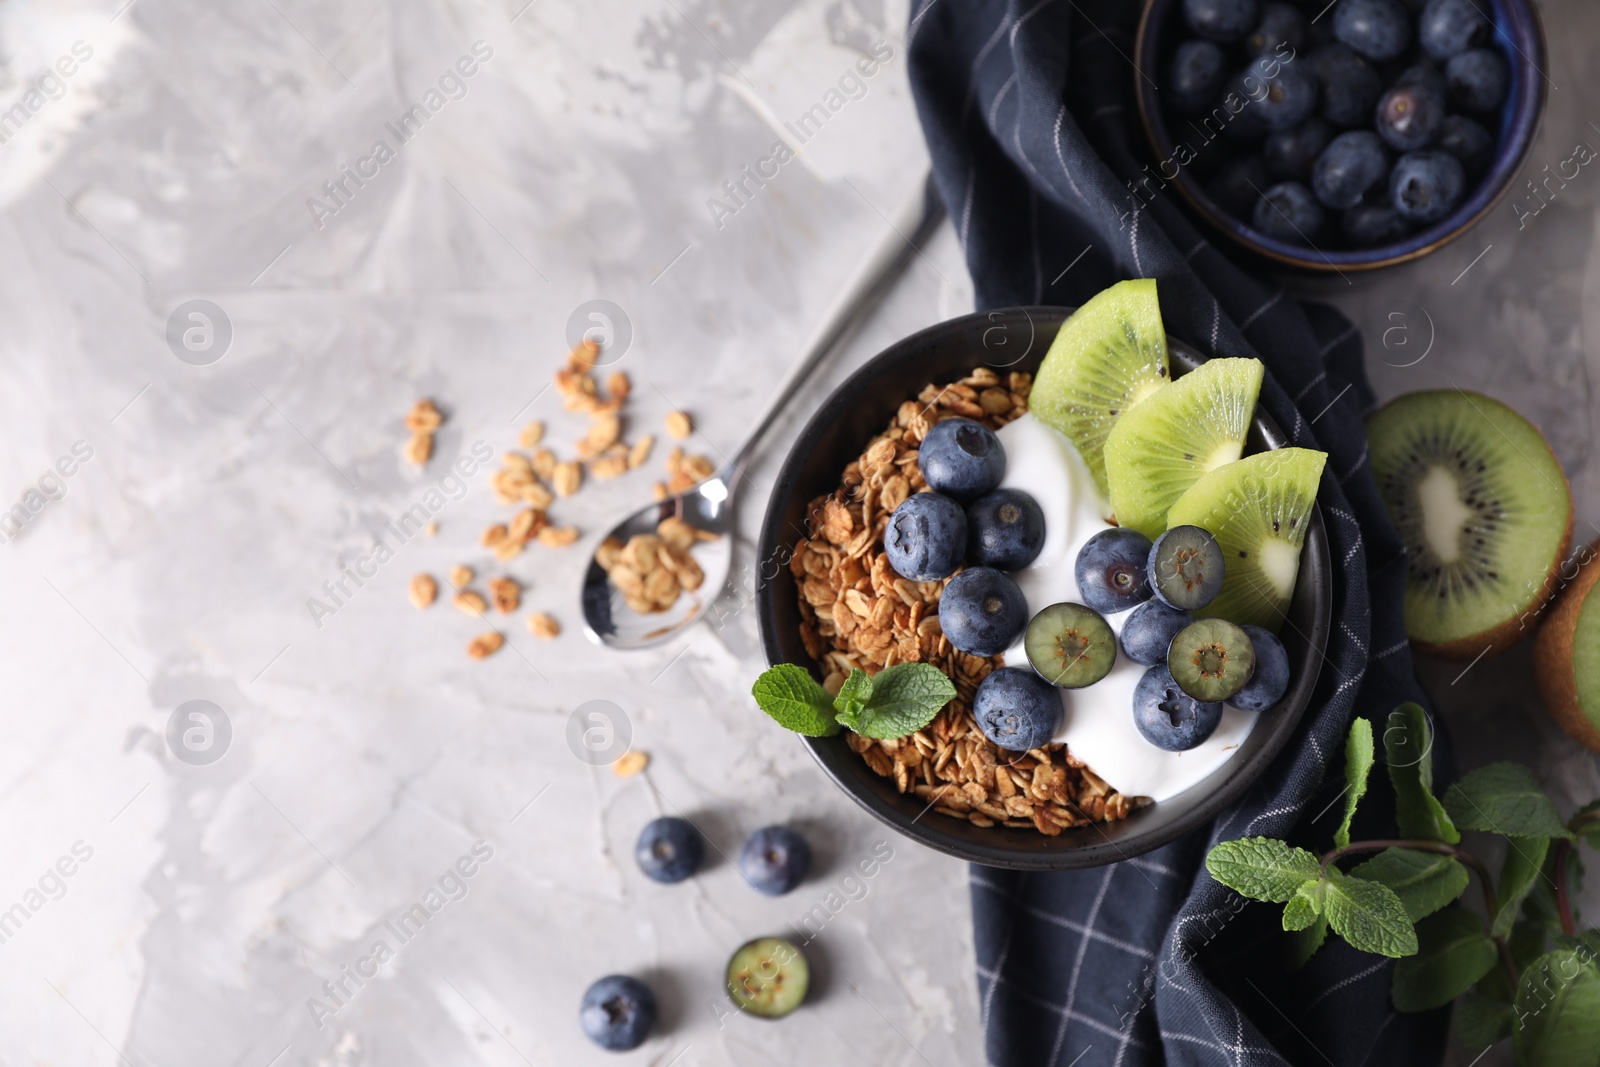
(1186, 568)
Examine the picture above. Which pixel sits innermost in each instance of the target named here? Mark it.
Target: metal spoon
(708, 507)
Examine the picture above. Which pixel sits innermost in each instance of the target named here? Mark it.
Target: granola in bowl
(856, 612)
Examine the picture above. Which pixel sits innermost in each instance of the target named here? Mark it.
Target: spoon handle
(909, 228)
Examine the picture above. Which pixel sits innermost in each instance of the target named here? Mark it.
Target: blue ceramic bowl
(1517, 34)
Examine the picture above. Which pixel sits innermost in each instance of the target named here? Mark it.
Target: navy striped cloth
(1027, 106)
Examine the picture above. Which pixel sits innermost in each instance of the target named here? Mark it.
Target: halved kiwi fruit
(1258, 509)
(768, 977)
(1070, 645)
(1566, 654)
(1108, 357)
(1164, 445)
(1484, 511)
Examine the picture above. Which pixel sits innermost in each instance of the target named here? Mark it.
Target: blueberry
(1289, 212)
(1281, 24)
(961, 459)
(1366, 225)
(618, 1012)
(1111, 570)
(1271, 678)
(1220, 20)
(1477, 79)
(1411, 112)
(1348, 85)
(1449, 27)
(1149, 631)
(1468, 141)
(1292, 153)
(1353, 163)
(1378, 29)
(1238, 184)
(1425, 186)
(982, 611)
(669, 850)
(1017, 709)
(926, 537)
(1186, 568)
(1198, 68)
(1290, 94)
(1168, 717)
(1005, 529)
(774, 860)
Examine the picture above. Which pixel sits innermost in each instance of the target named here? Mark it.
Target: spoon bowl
(708, 508)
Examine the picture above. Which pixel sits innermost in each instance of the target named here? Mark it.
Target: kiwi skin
(1552, 656)
(1514, 629)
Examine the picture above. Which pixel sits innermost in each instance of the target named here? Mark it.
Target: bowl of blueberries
(1339, 136)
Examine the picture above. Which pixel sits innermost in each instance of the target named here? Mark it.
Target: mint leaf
(1368, 915)
(1453, 952)
(1558, 1011)
(1302, 910)
(1358, 752)
(1519, 873)
(1262, 868)
(1408, 751)
(1423, 881)
(1505, 799)
(1481, 1021)
(789, 694)
(901, 700)
(1303, 944)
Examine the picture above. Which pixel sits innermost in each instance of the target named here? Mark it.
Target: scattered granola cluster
(857, 612)
(422, 420)
(651, 570)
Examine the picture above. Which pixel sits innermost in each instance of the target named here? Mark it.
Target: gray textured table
(174, 151)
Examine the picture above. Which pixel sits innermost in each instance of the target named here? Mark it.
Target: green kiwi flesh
(1484, 512)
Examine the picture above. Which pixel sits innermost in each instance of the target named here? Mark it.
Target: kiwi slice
(1070, 645)
(1566, 654)
(1164, 446)
(1484, 512)
(1109, 356)
(1258, 509)
(1211, 659)
(768, 977)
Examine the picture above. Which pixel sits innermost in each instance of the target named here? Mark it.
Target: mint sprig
(899, 700)
(795, 701)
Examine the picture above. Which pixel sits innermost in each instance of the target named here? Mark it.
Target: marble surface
(213, 493)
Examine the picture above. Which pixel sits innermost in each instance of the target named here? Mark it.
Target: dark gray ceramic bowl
(1518, 36)
(836, 434)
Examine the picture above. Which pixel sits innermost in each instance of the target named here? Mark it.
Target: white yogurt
(1098, 720)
